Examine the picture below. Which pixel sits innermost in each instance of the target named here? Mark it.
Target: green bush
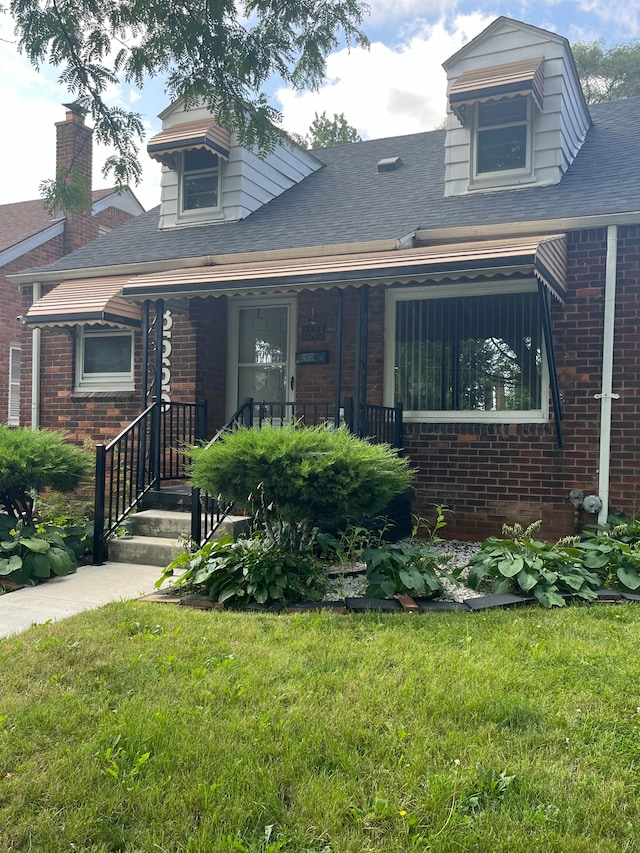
(31, 460)
(613, 551)
(521, 564)
(248, 571)
(31, 554)
(303, 476)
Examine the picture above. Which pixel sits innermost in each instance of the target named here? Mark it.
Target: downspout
(606, 396)
(36, 348)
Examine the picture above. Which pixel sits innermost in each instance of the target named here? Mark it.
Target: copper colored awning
(186, 136)
(525, 77)
(543, 258)
(85, 302)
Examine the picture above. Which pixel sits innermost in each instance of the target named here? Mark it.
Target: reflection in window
(104, 359)
(471, 353)
(200, 180)
(501, 139)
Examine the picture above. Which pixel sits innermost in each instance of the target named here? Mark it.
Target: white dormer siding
(246, 181)
(556, 132)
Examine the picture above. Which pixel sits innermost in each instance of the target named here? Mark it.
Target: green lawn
(153, 728)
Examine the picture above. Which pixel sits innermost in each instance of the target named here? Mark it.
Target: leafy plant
(31, 460)
(520, 563)
(29, 555)
(409, 568)
(247, 571)
(490, 786)
(614, 553)
(404, 569)
(301, 476)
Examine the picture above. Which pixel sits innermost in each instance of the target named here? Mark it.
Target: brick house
(486, 276)
(30, 237)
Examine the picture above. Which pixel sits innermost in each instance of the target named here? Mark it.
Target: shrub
(614, 552)
(301, 475)
(247, 571)
(31, 460)
(30, 554)
(520, 563)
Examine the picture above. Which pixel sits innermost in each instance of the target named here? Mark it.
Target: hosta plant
(404, 569)
(248, 571)
(613, 552)
(31, 554)
(521, 564)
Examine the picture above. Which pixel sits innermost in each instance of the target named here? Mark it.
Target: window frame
(457, 291)
(192, 213)
(14, 385)
(502, 177)
(107, 381)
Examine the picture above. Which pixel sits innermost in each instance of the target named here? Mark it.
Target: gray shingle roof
(349, 201)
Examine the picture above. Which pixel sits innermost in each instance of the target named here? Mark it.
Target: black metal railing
(152, 450)
(136, 461)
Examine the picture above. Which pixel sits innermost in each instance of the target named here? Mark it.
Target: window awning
(186, 136)
(87, 301)
(541, 257)
(525, 77)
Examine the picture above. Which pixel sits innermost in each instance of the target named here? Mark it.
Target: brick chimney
(74, 150)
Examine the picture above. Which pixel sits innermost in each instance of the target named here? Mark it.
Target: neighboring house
(487, 276)
(29, 237)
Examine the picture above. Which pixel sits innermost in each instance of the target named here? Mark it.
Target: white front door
(261, 351)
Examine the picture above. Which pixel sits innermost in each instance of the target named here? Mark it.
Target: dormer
(208, 178)
(516, 114)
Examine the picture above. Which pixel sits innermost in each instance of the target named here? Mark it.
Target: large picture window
(476, 355)
(104, 359)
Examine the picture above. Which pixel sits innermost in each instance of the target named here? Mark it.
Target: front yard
(145, 727)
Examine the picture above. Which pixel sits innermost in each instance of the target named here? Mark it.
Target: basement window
(104, 359)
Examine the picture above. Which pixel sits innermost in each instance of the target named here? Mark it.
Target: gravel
(349, 581)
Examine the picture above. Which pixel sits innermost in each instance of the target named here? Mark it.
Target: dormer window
(200, 180)
(502, 137)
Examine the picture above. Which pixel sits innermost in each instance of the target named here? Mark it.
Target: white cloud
(386, 91)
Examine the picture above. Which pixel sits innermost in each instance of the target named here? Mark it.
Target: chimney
(74, 151)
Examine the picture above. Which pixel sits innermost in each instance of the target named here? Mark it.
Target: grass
(142, 727)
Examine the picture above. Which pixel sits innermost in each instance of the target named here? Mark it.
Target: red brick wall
(490, 474)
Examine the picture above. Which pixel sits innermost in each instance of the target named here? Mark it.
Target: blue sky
(396, 87)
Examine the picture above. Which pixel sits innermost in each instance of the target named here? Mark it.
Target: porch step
(156, 536)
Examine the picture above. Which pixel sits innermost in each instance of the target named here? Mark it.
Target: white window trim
(102, 381)
(14, 386)
(395, 295)
(198, 213)
(504, 177)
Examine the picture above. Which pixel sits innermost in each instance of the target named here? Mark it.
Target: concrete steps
(156, 538)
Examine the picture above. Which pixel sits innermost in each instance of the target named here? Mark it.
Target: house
(485, 276)
(29, 237)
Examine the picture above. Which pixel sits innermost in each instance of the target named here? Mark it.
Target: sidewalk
(89, 587)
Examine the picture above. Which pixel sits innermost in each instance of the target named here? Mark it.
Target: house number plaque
(313, 332)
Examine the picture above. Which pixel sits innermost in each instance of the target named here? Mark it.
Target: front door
(261, 351)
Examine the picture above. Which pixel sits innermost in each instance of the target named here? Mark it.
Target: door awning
(525, 77)
(186, 136)
(86, 301)
(543, 258)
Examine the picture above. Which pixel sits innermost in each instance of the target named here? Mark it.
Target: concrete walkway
(89, 587)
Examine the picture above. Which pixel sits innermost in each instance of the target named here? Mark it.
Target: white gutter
(36, 347)
(607, 372)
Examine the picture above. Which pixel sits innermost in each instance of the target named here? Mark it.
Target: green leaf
(510, 568)
(60, 561)
(527, 579)
(628, 577)
(38, 565)
(595, 560)
(40, 546)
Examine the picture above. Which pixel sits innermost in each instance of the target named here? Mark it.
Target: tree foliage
(218, 52)
(325, 132)
(31, 460)
(608, 74)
